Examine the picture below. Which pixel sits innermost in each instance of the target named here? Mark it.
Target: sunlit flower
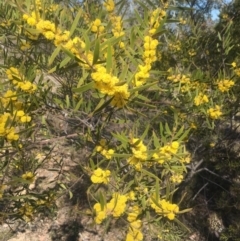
(100, 176)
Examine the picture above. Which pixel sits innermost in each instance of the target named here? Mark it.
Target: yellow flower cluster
(186, 159)
(19, 80)
(176, 46)
(142, 75)
(26, 211)
(185, 82)
(45, 27)
(134, 231)
(115, 207)
(28, 176)
(150, 46)
(176, 178)
(214, 113)
(225, 85)
(102, 148)
(165, 208)
(200, 99)
(131, 196)
(235, 69)
(107, 84)
(109, 5)
(100, 176)
(75, 46)
(5, 131)
(9, 96)
(149, 56)
(179, 78)
(25, 46)
(166, 152)
(97, 26)
(192, 52)
(182, 21)
(61, 37)
(155, 19)
(133, 214)
(22, 116)
(139, 151)
(117, 29)
(31, 19)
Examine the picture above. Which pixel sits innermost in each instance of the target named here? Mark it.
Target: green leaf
(168, 131)
(67, 101)
(144, 98)
(172, 21)
(109, 59)
(70, 194)
(83, 78)
(150, 174)
(76, 108)
(143, 87)
(145, 132)
(102, 200)
(65, 62)
(69, 53)
(101, 105)
(121, 138)
(86, 41)
(182, 225)
(139, 18)
(179, 132)
(157, 188)
(122, 155)
(185, 134)
(96, 52)
(54, 55)
(155, 140)
(75, 22)
(84, 87)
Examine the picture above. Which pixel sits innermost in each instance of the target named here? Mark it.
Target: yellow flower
(174, 146)
(165, 208)
(122, 45)
(100, 176)
(100, 213)
(49, 35)
(225, 85)
(176, 178)
(26, 118)
(200, 99)
(11, 95)
(97, 26)
(28, 176)
(27, 86)
(121, 96)
(234, 65)
(131, 196)
(117, 204)
(26, 211)
(133, 214)
(11, 135)
(212, 144)
(214, 113)
(109, 5)
(134, 232)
